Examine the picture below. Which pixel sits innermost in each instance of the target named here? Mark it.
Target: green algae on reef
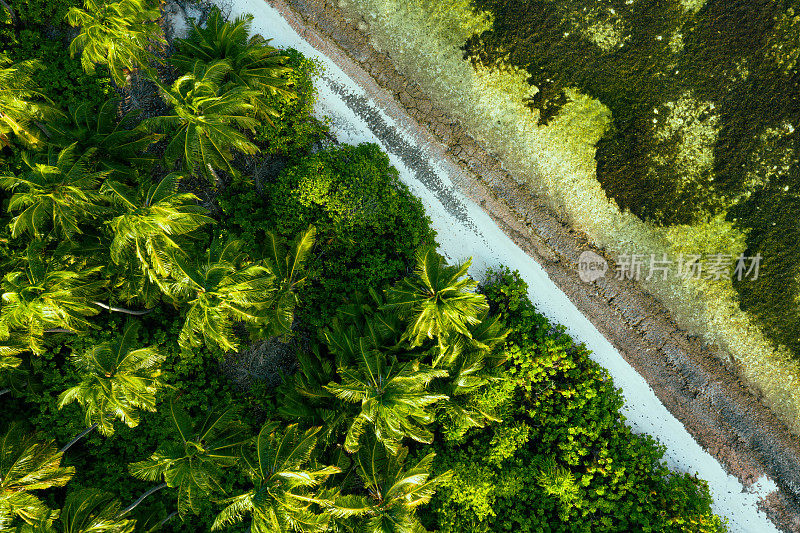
(705, 103)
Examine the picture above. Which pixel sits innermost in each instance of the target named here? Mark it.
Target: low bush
(297, 129)
(368, 222)
(562, 459)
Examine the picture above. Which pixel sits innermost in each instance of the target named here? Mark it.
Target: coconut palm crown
(288, 265)
(56, 194)
(438, 300)
(43, 294)
(21, 103)
(27, 464)
(116, 381)
(394, 493)
(146, 232)
(207, 121)
(118, 35)
(254, 63)
(93, 511)
(192, 461)
(120, 141)
(218, 291)
(393, 395)
(282, 498)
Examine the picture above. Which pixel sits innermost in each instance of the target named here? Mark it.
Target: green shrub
(297, 128)
(563, 459)
(62, 80)
(41, 12)
(368, 222)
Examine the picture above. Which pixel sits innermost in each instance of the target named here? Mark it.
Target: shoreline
(719, 412)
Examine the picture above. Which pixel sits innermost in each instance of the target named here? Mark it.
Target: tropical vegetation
(256, 320)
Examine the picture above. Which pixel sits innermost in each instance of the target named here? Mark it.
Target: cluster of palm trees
(98, 223)
(388, 368)
(96, 226)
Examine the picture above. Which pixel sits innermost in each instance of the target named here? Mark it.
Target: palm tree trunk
(59, 330)
(167, 519)
(141, 498)
(13, 14)
(41, 126)
(79, 436)
(123, 310)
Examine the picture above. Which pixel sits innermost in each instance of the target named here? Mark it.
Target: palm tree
(394, 493)
(206, 122)
(43, 296)
(27, 464)
(11, 345)
(93, 511)
(62, 190)
(116, 382)
(21, 104)
(461, 411)
(117, 35)
(194, 460)
(254, 63)
(393, 397)
(289, 269)
(15, 22)
(120, 142)
(472, 362)
(437, 300)
(304, 398)
(220, 291)
(144, 234)
(282, 497)
(362, 317)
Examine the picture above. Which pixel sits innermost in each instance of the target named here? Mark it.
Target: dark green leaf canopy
(27, 464)
(116, 381)
(282, 499)
(192, 461)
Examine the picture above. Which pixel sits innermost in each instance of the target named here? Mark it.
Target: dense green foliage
(118, 35)
(407, 377)
(370, 222)
(254, 64)
(705, 104)
(561, 459)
